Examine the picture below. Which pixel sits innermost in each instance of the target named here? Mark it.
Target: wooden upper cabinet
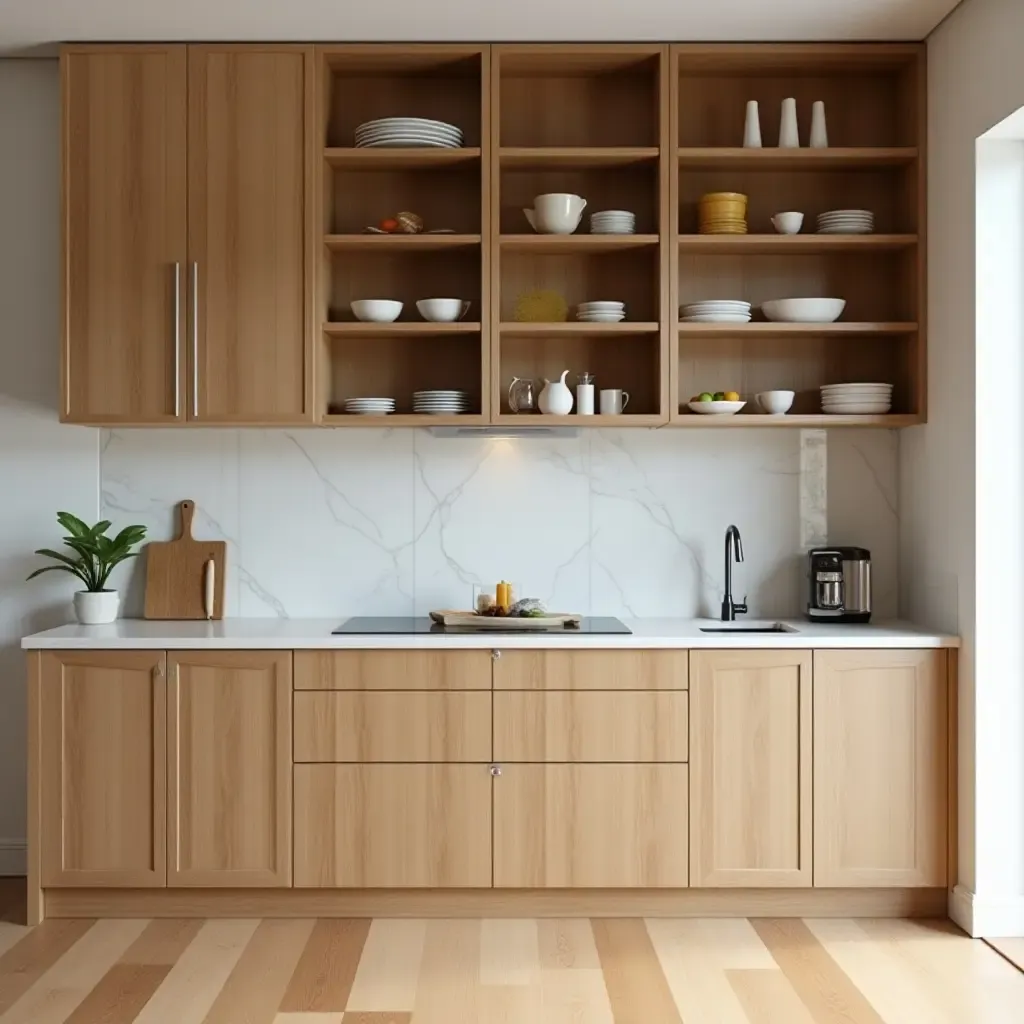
(102, 757)
(250, 112)
(880, 768)
(229, 768)
(124, 234)
(750, 768)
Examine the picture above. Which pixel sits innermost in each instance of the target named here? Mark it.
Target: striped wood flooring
(526, 971)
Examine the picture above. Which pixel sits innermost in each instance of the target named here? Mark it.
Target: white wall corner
(985, 917)
(12, 857)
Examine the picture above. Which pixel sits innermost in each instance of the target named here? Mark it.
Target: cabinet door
(250, 286)
(880, 782)
(750, 768)
(590, 670)
(103, 759)
(393, 825)
(229, 768)
(124, 167)
(614, 826)
(392, 670)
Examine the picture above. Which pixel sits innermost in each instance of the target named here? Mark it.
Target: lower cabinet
(393, 825)
(590, 826)
(230, 764)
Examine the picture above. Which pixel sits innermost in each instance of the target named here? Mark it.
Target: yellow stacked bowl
(723, 213)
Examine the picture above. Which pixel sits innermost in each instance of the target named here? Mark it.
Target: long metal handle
(195, 340)
(177, 339)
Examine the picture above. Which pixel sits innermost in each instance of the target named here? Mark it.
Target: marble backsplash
(337, 523)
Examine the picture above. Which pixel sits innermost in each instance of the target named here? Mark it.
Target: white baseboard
(987, 918)
(12, 857)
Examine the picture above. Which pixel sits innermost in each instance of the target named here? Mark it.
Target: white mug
(584, 399)
(614, 401)
(556, 213)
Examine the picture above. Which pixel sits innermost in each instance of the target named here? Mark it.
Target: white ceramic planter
(93, 608)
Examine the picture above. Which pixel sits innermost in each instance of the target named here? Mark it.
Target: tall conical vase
(789, 133)
(819, 132)
(752, 127)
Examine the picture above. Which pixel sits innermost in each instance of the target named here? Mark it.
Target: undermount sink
(774, 627)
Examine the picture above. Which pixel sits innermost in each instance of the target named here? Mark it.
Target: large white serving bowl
(376, 311)
(775, 403)
(716, 408)
(804, 311)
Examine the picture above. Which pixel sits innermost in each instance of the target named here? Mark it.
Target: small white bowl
(601, 317)
(376, 311)
(775, 403)
(804, 311)
(442, 310)
(788, 223)
(716, 408)
(601, 307)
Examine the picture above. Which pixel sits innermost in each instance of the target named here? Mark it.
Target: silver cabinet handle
(495, 770)
(195, 340)
(177, 339)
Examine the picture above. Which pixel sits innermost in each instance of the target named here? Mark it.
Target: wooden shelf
(890, 420)
(554, 244)
(507, 419)
(398, 329)
(375, 159)
(334, 419)
(763, 245)
(575, 157)
(577, 329)
(778, 330)
(771, 159)
(398, 243)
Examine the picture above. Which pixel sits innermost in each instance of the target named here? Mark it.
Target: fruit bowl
(716, 408)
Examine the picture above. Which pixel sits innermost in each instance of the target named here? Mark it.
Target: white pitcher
(556, 213)
(556, 397)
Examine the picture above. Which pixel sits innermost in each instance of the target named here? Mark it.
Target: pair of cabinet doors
(187, 290)
(165, 769)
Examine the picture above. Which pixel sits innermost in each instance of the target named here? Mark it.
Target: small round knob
(495, 770)
(495, 655)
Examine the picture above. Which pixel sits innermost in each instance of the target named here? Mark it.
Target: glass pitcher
(521, 397)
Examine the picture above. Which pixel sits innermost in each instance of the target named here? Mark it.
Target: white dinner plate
(407, 144)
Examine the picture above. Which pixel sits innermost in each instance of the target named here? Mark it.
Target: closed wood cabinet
(590, 670)
(880, 768)
(124, 234)
(614, 826)
(392, 670)
(750, 768)
(229, 768)
(102, 760)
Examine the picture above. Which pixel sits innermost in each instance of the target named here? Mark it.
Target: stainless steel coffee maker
(840, 585)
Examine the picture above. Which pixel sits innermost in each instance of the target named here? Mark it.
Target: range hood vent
(506, 433)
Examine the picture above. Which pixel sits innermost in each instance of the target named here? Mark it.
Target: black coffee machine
(840, 585)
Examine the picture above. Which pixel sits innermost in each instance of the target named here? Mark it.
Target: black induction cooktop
(368, 625)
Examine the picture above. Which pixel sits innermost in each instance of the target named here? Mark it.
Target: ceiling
(33, 26)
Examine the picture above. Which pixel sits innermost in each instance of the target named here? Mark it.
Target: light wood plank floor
(526, 971)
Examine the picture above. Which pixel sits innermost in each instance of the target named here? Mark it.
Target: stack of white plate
(856, 399)
(846, 222)
(715, 311)
(370, 406)
(408, 131)
(440, 403)
(613, 222)
(601, 312)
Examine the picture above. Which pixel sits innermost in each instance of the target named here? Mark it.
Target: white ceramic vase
(789, 133)
(556, 398)
(819, 132)
(752, 127)
(96, 607)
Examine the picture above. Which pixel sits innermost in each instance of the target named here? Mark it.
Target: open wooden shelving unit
(644, 127)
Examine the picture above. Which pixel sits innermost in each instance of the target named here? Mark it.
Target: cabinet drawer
(392, 726)
(594, 726)
(392, 670)
(392, 825)
(591, 670)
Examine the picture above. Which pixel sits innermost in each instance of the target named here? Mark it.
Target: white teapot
(556, 397)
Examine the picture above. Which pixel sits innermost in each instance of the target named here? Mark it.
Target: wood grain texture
(34, 901)
(880, 780)
(247, 232)
(388, 825)
(327, 968)
(591, 670)
(124, 233)
(392, 726)
(392, 670)
(389, 967)
(590, 826)
(25, 963)
(750, 768)
(162, 943)
(637, 989)
(767, 997)
(229, 768)
(590, 726)
(120, 994)
(103, 767)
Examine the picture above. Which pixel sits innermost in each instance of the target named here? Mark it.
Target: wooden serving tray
(470, 620)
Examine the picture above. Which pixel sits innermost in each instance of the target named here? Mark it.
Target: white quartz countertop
(284, 634)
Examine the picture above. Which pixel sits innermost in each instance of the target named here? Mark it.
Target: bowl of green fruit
(716, 403)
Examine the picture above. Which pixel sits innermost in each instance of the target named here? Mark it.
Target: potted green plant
(93, 558)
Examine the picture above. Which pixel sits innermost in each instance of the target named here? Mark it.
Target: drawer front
(591, 726)
(332, 726)
(392, 670)
(392, 826)
(591, 670)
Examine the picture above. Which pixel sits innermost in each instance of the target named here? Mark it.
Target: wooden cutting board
(176, 573)
(469, 620)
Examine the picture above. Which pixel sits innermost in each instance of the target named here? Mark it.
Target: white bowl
(716, 318)
(376, 311)
(775, 403)
(804, 311)
(788, 223)
(600, 318)
(442, 310)
(716, 408)
(604, 304)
